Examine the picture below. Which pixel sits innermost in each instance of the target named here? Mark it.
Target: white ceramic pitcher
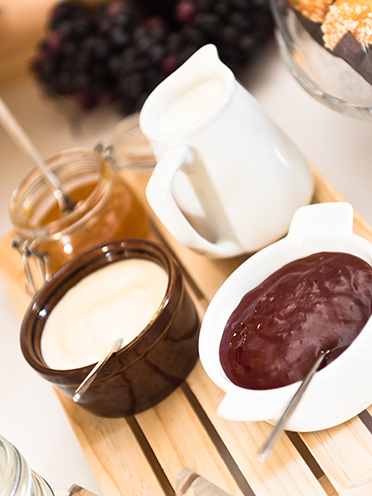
(227, 180)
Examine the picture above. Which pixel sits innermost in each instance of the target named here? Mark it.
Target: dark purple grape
(193, 36)
(114, 65)
(222, 8)
(156, 54)
(82, 28)
(85, 101)
(186, 11)
(65, 30)
(155, 24)
(63, 11)
(63, 83)
(54, 42)
(114, 10)
(101, 49)
(162, 8)
(239, 5)
(169, 64)
(209, 23)
(119, 38)
(230, 35)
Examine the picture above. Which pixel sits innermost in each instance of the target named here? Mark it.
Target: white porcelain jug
(227, 180)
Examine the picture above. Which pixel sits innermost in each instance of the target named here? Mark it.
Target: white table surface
(30, 414)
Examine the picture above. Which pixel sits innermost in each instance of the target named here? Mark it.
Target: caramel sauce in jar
(107, 209)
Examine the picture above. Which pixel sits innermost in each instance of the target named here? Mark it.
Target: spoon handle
(93, 373)
(76, 490)
(21, 139)
(18, 134)
(280, 426)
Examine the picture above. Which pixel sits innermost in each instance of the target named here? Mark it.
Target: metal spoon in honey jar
(15, 131)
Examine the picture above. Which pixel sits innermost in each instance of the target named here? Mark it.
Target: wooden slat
(113, 453)
(180, 440)
(344, 451)
(284, 471)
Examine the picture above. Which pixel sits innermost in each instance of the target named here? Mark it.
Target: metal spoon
(76, 490)
(93, 373)
(280, 426)
(15, 131)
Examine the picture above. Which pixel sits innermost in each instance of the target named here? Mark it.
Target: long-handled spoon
(93, 373)
(280, 426)
(15, 131)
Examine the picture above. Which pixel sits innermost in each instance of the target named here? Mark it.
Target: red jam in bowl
(317, 303)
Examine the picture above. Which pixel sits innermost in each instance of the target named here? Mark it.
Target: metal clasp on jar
(36, 264)
(106, 150)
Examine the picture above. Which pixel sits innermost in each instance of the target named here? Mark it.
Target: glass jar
(107, 210)
(326, 47)
(16, 478)
(132, 149)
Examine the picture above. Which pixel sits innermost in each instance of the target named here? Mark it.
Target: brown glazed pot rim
(73, 272)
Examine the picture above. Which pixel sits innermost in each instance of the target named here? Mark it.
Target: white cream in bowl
(339, 391)
(116, 301)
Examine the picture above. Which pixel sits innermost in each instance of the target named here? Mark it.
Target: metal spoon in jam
(288, 412)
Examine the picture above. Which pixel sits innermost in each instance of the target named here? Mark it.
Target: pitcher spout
(203, 78)
(207, 58)
(205, 62)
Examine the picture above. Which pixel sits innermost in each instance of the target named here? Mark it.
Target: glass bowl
(320, 46)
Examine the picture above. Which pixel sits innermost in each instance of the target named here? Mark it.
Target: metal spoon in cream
(115, 302)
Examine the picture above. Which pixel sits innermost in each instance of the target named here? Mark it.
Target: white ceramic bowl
(339, 391)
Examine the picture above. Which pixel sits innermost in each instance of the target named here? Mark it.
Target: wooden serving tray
(144, 454)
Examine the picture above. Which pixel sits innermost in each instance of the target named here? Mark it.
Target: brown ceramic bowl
(151, 366)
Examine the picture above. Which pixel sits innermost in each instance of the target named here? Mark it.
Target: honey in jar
(107, 210)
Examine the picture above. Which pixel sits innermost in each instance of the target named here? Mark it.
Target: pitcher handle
(160, 197)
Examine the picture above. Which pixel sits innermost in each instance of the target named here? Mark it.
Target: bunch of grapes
(120, 51)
